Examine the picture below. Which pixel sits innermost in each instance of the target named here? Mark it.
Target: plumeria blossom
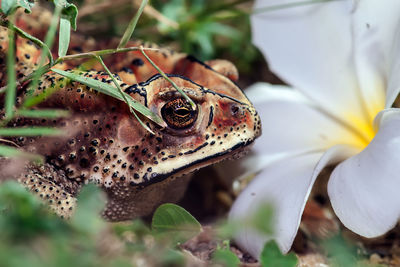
(342, 60)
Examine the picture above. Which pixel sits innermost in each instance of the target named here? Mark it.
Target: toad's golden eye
(179, 114)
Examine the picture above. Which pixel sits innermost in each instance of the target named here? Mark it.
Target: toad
(106, 145)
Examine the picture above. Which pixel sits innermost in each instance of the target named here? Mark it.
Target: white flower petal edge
(258, 95)
(393, 87)
(286, 185)
(311, 48)
(364, 189)
(375, 47)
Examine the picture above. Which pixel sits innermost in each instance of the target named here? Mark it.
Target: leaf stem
(11, 77)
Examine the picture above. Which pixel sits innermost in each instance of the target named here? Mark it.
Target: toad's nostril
(235, 109)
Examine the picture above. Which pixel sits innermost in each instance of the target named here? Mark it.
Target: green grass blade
(169, 80)
(112, 91)
(131, 26)
(30, 131)
(43, 113)
(7, 151)
(11, 78)
(49, 39)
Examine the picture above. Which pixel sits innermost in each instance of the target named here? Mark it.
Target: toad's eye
(178, 114)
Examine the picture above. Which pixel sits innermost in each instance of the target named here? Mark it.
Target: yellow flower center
(365, 131)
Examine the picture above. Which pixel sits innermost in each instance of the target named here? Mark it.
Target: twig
(8, 142)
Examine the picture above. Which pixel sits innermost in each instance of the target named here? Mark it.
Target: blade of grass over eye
(43, 113)
(122, 94)
(30, 131)
(7, 151)
(11, 78)
(168, 79)
(112, 91)
(132, 25)
(289, 5)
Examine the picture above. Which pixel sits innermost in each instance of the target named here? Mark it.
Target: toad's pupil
(182, 112)
(178, 114)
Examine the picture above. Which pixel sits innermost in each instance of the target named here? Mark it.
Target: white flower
(343, 60)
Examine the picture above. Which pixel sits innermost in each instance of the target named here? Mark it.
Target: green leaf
(225, 257)
(340, 252)
(172, 257)
(112, 91)
(70, 11)
(272, 256)
(30, 131)
(172, 218)
(64, 36)
(27, 5)
(9, 6)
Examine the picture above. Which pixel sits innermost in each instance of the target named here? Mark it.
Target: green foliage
(8, 7)
(262, 220)
(201, 25)
(224, 256)
(176, 220)
(340, 252)
(272, 256)
(91, 201)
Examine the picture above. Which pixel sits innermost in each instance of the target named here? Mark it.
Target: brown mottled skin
(107, 146)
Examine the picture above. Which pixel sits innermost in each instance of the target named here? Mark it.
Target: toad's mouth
(234, 152)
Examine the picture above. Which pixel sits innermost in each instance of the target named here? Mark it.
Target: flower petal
(292, 125)
(311, 48)
(364, 189)
(286, 185)
(394, 78)
(374, 24)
